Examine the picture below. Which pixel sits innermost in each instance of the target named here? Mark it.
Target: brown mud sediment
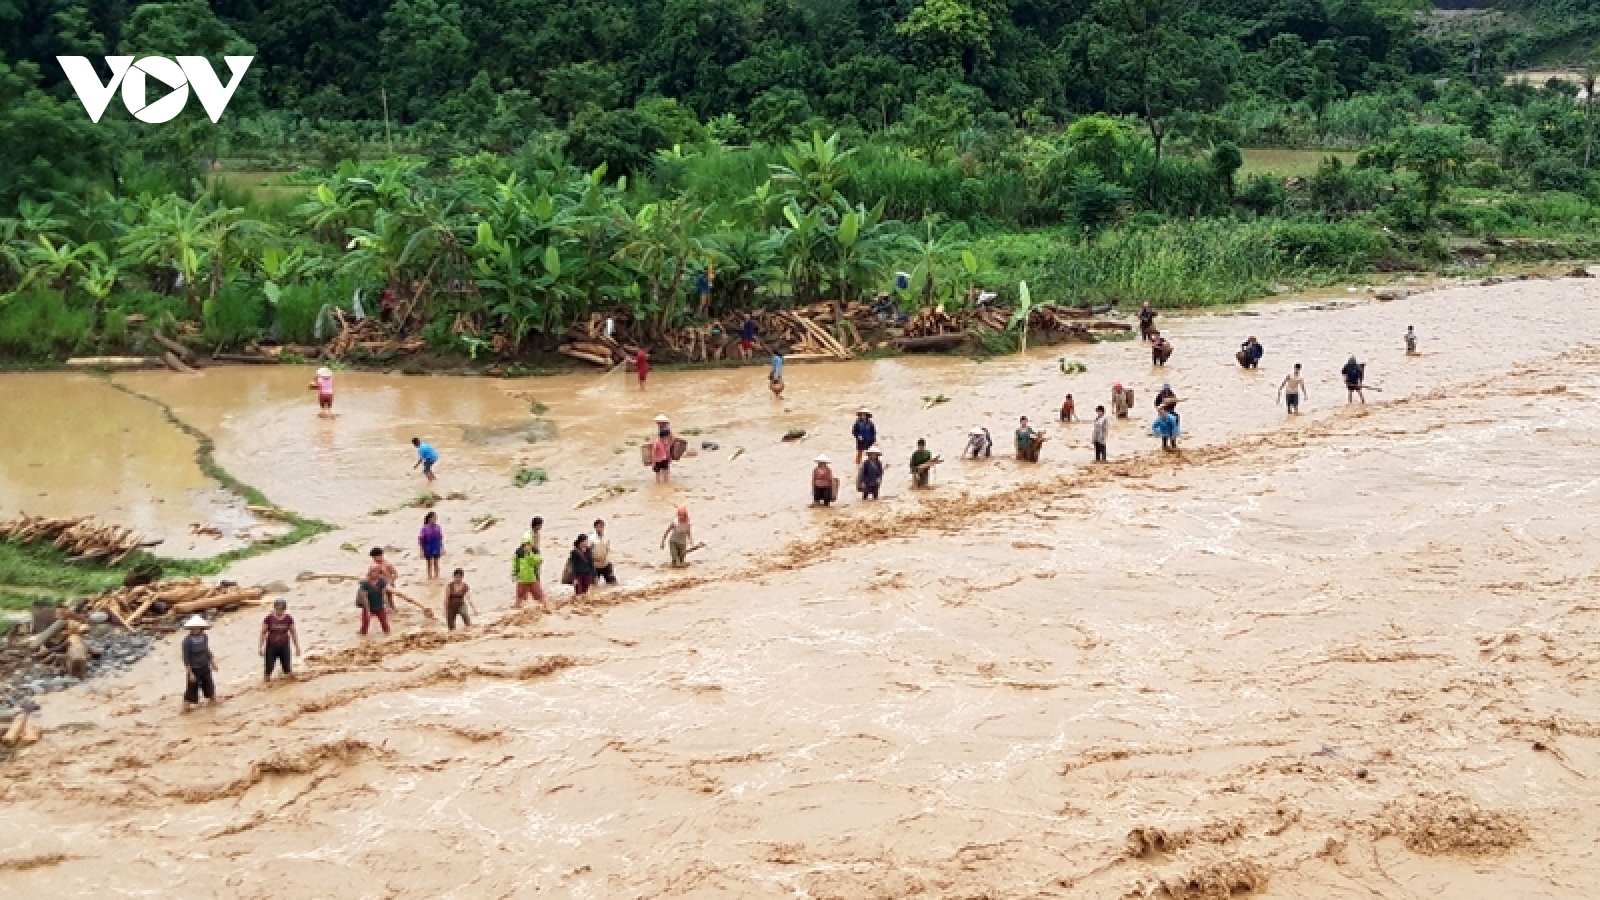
(1348, 655)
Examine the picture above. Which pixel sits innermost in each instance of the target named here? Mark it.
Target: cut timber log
(14, 733)
(176, 364)
(175, 348)
(929, 342)
(48, 634)
(245, 358)
(567, 350)
(248, 595)
(114, 362)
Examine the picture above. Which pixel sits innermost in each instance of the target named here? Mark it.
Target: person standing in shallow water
(426, 457)
(1102, 427)
(198, 664)
(581, 563)
(676, 539)
(864, 431)
(641, 364)
(431, 541)
(871, 476)
(1147, 322)
(1354, 375)
(822, 482)
(457, 598)
(372, 595)
(1292, 389)
(278, 636)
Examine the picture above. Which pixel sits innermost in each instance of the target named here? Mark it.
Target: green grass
(42, 566)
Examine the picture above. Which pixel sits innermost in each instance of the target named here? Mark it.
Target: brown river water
(1339, 655)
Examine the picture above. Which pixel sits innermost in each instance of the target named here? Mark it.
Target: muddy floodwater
(1349, 654)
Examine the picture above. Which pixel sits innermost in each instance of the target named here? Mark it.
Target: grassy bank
(30, 571)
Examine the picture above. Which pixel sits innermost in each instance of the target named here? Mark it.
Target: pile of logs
(80, 537)
(1062, 322)
(367, 335)
(589, 342)
(164, 605)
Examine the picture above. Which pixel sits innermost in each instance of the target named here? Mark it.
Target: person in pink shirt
(323, 385)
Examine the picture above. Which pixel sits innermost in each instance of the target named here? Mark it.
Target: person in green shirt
(921, 464)
(372, 597)
(1025, 439)
(525, 567)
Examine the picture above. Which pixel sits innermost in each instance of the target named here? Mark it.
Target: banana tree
(661, 239)
(1020, 317)
(814, 172)
(934, 252)
(59, 265)
(862, 251)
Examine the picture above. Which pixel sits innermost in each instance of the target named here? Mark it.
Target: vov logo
(187, 72)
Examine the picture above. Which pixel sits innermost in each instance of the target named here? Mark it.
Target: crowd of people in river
(589, 561)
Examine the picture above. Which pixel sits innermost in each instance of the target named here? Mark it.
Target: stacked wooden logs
(80, 537)
(367, 335)
(164, 605)
(589, 342)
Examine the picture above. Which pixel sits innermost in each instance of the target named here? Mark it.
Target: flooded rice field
(1343, 654)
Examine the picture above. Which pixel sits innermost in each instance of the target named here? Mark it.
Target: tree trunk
(1589, 79)
(1156, 137)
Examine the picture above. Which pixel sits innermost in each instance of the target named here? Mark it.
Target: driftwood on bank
(79, 537)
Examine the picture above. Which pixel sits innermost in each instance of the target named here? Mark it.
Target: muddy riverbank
(1334, 656)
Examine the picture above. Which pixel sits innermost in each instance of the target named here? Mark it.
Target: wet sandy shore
(1344, 655)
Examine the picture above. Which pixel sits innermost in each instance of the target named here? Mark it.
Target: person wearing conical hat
(198, 664)
(871, 477)
(822, 481)
(864, 431)
(323, 385)
(979, 443)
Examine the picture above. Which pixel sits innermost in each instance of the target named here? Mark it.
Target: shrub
(237, 314)
(39, 322)
(1334, 247)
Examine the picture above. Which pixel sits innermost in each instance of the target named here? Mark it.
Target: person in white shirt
(1102, 425)
(600, 552)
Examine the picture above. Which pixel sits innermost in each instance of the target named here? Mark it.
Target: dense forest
(505, 167)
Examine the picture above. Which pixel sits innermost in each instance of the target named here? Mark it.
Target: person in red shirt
(277, 637)
(642, 363)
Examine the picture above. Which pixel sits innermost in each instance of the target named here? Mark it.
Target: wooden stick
(14, 733)
(248, 595)
(427, 612)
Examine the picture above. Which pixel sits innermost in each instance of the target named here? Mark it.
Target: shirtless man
(1292, 389)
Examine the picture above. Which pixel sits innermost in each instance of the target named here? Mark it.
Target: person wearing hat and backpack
(198, 664)
(822, 482)
(323, 385)
(866, 433)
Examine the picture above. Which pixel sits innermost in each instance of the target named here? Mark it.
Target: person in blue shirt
(702, 286)
(426, 457)
(775, 377)
(871, 477)
(866, 433)
(1166, 428)
(747, 338)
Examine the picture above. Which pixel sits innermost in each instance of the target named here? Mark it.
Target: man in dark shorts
(278, 637)
(1292, 389)
(198, 664)
(1354, 374)
(1147, 322)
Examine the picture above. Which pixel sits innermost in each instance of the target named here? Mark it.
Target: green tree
(1435, 153)
(1150, 60)
(948, 33)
